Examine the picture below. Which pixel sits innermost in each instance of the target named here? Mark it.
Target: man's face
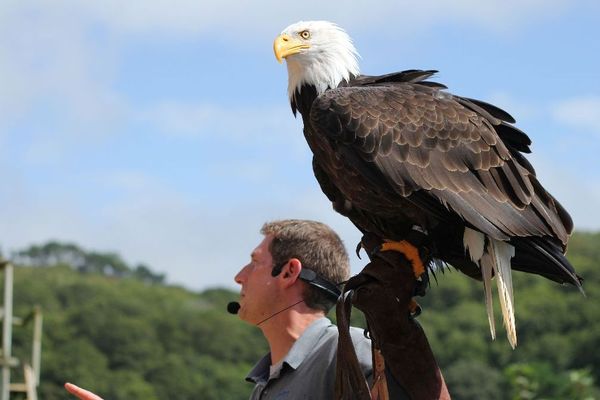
(258, 297)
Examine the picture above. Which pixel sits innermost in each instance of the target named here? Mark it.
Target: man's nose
(240, 276)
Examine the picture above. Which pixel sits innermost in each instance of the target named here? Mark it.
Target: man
(287, 288)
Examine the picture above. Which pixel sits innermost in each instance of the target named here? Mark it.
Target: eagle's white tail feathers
(486, 273)
(474, 242)
(494, 257)
(502, 253)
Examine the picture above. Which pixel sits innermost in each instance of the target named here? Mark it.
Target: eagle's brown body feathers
(396, 151)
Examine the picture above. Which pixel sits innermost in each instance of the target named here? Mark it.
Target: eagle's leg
(411, 253)
(385, 286)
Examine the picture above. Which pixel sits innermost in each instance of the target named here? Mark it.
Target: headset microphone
(233, 307)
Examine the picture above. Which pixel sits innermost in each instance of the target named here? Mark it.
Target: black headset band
(312, 278)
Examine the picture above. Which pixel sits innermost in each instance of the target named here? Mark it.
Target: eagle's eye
(305, 35)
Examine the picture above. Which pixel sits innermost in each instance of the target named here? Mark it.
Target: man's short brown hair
(317, 247)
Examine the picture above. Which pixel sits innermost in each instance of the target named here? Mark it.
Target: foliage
(126, 340)
(558, 330)
(465, 377)
(540, 381)
(130, 336)
(109, 264)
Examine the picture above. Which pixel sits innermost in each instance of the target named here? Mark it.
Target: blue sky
(161, 129)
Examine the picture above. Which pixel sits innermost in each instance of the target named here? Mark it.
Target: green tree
(474, 380)
(128, 335)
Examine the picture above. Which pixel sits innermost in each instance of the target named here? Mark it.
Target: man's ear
(291, 271)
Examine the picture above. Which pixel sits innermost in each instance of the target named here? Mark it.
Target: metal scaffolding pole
(7, 319)
(31, 374)
(36, 352)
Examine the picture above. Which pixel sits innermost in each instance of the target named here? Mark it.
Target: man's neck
(282, 332)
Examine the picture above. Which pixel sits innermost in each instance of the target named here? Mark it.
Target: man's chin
(242, 314)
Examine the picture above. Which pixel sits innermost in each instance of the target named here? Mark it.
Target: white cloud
(205, 245)
(230, 18)
(197, 244)
(28, 218)
(582, 112)
(581, 198)
(65, 61)
(56, 76)
(226, 122)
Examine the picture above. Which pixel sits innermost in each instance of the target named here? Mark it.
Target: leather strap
(350, 382)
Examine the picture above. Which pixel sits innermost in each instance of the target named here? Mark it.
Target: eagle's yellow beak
(285, 46)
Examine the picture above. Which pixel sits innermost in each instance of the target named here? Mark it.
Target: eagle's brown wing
(401, 153)
(422, 141)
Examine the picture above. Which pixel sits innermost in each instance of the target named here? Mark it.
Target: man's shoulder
(360, 340)
(358, 334)
(321, 359)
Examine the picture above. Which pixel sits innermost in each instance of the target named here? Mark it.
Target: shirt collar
(300, 349)
(260, 371)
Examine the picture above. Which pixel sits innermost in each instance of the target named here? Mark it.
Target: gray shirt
(308, 370)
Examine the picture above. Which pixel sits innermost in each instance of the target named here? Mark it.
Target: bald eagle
(398, 152)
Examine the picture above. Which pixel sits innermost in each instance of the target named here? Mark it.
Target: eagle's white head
(318, 53)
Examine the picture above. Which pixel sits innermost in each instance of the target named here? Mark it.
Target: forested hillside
(558, 331)
(121, 332)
